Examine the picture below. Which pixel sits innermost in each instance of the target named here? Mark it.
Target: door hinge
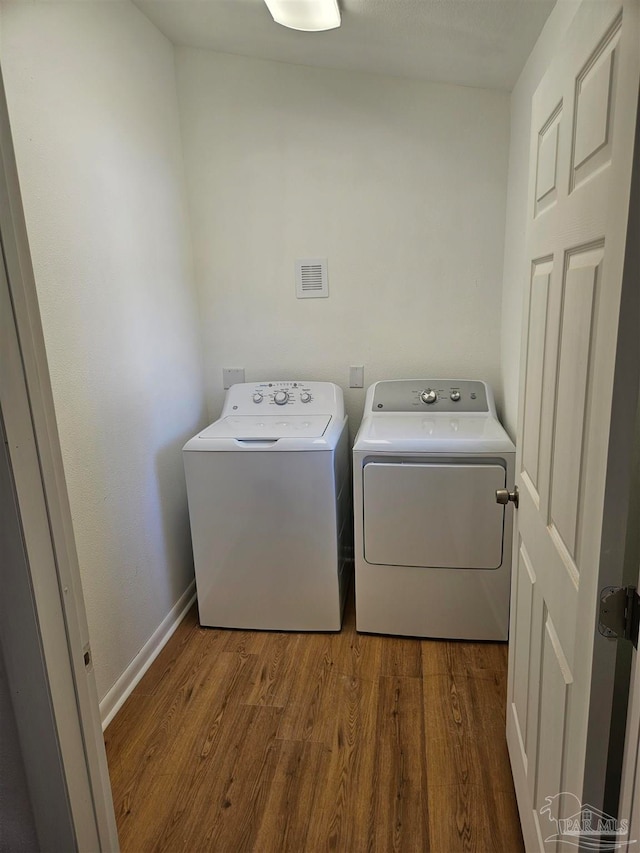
(619, 613)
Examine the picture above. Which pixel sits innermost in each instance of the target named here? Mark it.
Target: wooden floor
(245, 741)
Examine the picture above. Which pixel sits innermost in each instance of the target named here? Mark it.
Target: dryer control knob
(428, 396)
(257, 397)
(455, 396)
(305, 397)
(281, 397)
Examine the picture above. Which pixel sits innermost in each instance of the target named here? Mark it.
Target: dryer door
(433, 516)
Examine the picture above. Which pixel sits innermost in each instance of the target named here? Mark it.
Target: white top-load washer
(269, 504)
(432, 545)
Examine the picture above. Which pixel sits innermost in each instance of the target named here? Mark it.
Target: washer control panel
(269, 394)
(436, 395)
(292, 396)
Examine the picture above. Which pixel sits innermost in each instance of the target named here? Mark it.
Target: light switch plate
(232, 376)
(356, 376)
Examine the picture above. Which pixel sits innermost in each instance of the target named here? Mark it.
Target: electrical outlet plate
(232, 376)
(356, 376)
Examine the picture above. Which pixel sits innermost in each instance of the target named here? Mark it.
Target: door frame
(629, 807)
(618, 567)
(50, 567)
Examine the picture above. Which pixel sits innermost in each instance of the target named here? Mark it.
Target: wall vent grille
(311, 278)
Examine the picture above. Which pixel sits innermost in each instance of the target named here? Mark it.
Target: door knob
(503, 496)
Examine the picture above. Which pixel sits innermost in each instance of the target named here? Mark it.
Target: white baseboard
(124, 686)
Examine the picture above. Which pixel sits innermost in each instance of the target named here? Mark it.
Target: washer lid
(267, 427)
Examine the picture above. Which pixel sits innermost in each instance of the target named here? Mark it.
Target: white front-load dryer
(269, 506)
(432, 545)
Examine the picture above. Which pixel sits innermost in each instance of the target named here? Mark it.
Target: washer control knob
(428, 396)
(257, 397)
(455, 396)
(281, 397)
(305, 397)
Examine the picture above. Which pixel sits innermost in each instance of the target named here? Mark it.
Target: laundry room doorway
(580, 374)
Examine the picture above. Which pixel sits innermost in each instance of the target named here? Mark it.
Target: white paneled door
(583, 123)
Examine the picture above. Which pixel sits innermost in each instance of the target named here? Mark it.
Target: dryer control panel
(434, 395)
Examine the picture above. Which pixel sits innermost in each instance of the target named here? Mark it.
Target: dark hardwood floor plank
(357, 655)
(297, 788)
(138, 813)
(350, 656)
(133, 725)
(458, 657)
(246, 642)
(218, 701)
(344, 819)
(226, 808)
(464, 731)
(209, 699)
(372, 655)
(399, 796)
(470, 819)
(157, 713)
(401, 656)
(307, 703)
(277, 662)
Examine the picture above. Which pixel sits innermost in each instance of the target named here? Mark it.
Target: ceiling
(482, 43)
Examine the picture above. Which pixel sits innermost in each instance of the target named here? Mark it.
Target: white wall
(400, 184)
(515, 264)
(92, 99)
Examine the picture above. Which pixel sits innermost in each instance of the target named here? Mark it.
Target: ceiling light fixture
(307, 15)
